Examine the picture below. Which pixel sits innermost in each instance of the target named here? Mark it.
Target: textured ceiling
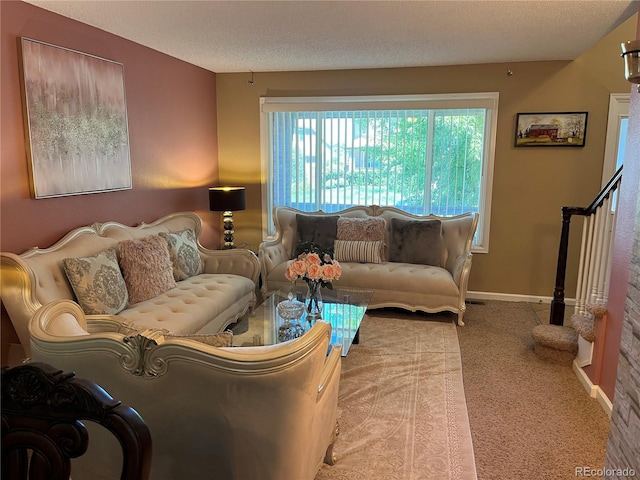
(260, 36)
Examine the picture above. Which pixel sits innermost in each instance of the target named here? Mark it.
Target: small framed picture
(551, 129)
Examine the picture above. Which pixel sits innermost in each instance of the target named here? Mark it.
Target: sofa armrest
(461, 267)
(271, 254)
(331, 370)
(18, 293)
(60, 320)
(237, 261)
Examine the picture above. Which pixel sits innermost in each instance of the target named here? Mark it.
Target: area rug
(401, 406)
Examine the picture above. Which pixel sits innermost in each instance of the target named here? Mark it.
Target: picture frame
(551, 129)
(75, 118)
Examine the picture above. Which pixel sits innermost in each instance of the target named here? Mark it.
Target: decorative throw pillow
(319, 229)
(97, 282)
(183, 251)
(127, 329)
(367, 229)
(416, 241)
(224, 339)
(146, 267)
(357, 251)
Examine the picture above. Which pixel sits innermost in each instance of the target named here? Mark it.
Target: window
(421, 153)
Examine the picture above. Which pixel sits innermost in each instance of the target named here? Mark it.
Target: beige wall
(530, 185)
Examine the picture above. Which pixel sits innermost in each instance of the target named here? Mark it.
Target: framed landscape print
(549, 129)
(75, 121)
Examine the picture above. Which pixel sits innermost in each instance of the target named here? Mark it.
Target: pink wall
(622, 249)
(171, 107)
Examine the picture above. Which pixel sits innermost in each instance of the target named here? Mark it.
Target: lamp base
(227, 223)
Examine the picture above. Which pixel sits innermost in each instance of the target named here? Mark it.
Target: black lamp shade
(226, 199)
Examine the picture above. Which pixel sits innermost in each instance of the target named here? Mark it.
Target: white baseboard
(585, 352)
(604, 402)
(594, 391)
(513, 297)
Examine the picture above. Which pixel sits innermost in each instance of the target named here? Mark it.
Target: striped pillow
(357, 251)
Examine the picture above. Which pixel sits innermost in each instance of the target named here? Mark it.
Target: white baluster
(588, 263)
(581, 266)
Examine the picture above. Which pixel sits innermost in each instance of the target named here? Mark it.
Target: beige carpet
(530, 419)
(402, 407)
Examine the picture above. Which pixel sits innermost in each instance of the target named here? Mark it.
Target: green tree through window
(420, 160)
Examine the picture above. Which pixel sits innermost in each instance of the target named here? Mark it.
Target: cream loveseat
(232, 413)
(409, 261)
(190, 289)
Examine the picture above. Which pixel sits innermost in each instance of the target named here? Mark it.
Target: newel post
(557, 304)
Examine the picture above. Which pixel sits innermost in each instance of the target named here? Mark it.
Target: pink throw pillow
(146, 267)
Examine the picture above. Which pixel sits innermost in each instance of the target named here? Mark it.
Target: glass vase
(313, 300)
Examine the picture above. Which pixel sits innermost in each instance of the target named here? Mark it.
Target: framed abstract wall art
(75, 120)
(549, 129)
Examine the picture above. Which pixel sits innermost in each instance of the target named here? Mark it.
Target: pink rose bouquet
(317, 269)
(314, 267)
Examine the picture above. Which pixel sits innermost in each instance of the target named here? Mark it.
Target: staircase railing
(594, 268)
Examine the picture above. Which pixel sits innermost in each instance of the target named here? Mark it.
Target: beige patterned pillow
(357, 251)
(97, 282)
(224, 339)
(183, 250)
(146, 267)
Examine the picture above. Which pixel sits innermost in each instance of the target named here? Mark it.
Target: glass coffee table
(343, 308)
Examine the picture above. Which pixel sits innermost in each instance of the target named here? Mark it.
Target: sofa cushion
(183, 251)
(321, 230)
(416, 241)
(97, 282)
(204, 303)
(357, 251)
(394, 283)
(366, 229)
(147, 267)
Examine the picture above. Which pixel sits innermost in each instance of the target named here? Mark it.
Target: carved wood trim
(42, 413)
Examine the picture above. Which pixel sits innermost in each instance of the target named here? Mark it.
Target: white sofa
(232, 413)
(204, 303)
(405, 284)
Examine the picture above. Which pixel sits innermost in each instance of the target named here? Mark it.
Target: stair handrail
(557, 304)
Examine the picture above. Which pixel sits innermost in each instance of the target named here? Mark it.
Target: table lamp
(227, 200)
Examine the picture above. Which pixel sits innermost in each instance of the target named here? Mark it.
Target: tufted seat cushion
(193, 304)
(402, 281)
